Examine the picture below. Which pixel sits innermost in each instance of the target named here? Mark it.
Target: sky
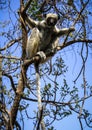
(74, 63)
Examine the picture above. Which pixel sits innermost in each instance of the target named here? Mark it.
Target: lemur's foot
(42, 56)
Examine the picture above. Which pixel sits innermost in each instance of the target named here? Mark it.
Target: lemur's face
(51, 19)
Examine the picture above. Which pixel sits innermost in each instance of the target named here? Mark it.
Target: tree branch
(27, 5)
(80, 13)
(37, 58)
(72, 42)
(10, 44)
(21, 82)
(12, 82)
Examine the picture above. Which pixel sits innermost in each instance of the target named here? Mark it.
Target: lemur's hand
(72, 29)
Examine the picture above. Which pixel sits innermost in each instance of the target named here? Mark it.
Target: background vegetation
(66, 83)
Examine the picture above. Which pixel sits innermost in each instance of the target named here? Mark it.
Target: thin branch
(17, 125)
(10, 57)
(11, 43)
(12, 82)
(80, 12)
(27, 5)
(40, 121)
(87, 122)
(72, 42)
(76, 20)
(57, 102)
(80, 124)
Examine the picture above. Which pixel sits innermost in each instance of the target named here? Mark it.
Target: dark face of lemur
(51, 20)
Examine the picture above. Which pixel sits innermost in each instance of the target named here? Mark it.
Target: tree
(60, 96)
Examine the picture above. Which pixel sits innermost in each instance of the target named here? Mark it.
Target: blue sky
(74, 64)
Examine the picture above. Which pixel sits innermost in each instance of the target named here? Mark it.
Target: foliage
(64, 93)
